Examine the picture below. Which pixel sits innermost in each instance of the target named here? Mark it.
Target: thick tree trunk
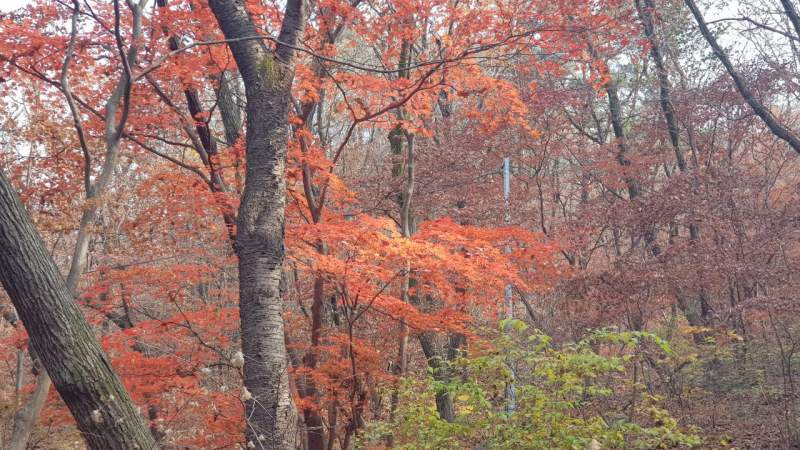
(269, 409)
(696, 307)
(439, 350)
(61, 337)
(25, 420)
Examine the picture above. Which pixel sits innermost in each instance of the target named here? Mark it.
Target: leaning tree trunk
(269, 409)
(25, 419)
(665, 88)
(61, 337)
(775, 127)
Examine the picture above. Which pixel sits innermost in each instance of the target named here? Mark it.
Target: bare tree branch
(761, 111)
(73, 109)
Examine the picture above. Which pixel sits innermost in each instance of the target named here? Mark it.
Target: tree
(363, 197)
(94, 189)
(555, 411)
(270, 410)
(61, 337)
(778, 129)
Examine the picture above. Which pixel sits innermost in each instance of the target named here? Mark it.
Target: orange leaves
(163, 281)
(366, 260)
(306, 85)
(491, 257)
(445, 279)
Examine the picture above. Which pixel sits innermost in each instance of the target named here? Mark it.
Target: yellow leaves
(690, 330)
(732, 335)
(463, 404)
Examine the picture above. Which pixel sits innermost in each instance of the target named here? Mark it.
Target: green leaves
(567, 398)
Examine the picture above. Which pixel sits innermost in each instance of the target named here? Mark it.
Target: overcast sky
(8, 5)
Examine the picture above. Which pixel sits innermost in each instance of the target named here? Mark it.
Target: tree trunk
(229, 110)
(315, 427)
(615, 113)
(665, 87)
(270, 411)
(25, 417)
(695, 308)
(61, 337)
(440, 351)
(791, 13)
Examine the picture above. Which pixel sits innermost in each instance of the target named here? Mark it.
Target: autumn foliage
(400, 248)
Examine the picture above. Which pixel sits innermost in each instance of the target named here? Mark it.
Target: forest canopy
(374, 224)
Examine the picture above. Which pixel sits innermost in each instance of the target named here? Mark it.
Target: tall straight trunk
(61, 337)
(201, 136)
(615, 112)
(403, 166)
(316, 437)
(634, 188)
(792, 14)
(436, 355)
(25, 417)
(695, 312)
(269, 411)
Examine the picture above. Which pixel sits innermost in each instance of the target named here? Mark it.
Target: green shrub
(563, 398)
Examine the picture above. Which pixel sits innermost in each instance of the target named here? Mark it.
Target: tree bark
(791, 13)
(26, 417)
(316, 436)
(695, 308)
(229, 110)
(204, 142)
(439, 351)
(270, 411)
(315, 427)
(665, 87)
(61, 337)
(615, 113)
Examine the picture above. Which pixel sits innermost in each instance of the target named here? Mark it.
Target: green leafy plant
(566, 398)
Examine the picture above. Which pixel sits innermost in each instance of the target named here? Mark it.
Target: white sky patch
(10, 5)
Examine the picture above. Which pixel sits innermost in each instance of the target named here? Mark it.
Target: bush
(562, 395)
